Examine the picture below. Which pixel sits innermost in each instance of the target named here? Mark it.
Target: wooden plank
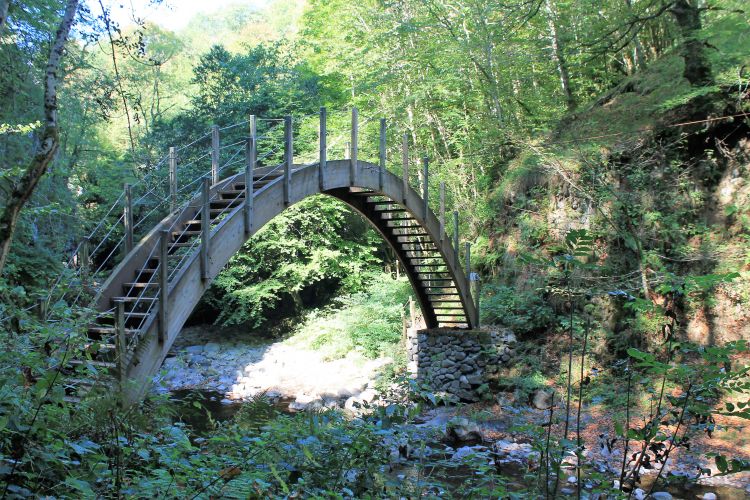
(250, 161)
(120, 340)
(163, 285)
(205, 228)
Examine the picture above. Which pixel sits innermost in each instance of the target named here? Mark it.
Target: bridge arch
(395, 210)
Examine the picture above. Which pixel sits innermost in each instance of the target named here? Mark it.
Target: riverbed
(220, 368)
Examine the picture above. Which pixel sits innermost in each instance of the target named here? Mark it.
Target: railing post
(442, 211)
(322, 131)
(477, 293)
(412, 311)
(163, 285)
(172, 180)
(455, 238)
(84, 258)
(251, 159)
(405, 160)
(288, 157)
(42, 308)
(355, 138)
(215, 148)
(381, 170)
(120, 343)
(467, 257)
(425, 186)
(128, 218)
(205, 227)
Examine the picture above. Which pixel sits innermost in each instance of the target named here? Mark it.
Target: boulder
(463, 431)
(541, 399)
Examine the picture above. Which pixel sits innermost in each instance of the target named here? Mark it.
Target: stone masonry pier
(457, 362)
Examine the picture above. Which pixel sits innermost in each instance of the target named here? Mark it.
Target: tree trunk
(4, 4)
(559, 56)
(697, 68)
(24, 188)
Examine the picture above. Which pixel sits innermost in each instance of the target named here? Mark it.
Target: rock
(541, 399)
(463, 379)
(194, 349)
(447, 363)
(466, 451)
(211, 348)
(639, 494)
(709, 496)
(368, 395)
(661, 495)
(467, 368)
(463, 431)
(305, 402)
(572, 480)
(567, 491)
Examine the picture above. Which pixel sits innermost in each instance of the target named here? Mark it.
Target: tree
(4, 4)
(49, 142)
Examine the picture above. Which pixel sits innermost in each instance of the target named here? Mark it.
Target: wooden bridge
(147, 297)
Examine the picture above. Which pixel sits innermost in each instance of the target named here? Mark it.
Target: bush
(521, 311)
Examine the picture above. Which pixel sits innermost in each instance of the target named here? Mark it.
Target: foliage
(522, 311)
(367, 321)
(307, 251)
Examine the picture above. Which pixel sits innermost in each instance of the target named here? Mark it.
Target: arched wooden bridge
(148, 297)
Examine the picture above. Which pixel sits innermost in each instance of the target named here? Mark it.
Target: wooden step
(102, 346)
(109, 330)
(389, 217)
(226, 203)
(139, 285)
(442, 294)
(135, 299)
(401, 226)
(189, 232)
(93, 362)
(404, 238)
(448, 315)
